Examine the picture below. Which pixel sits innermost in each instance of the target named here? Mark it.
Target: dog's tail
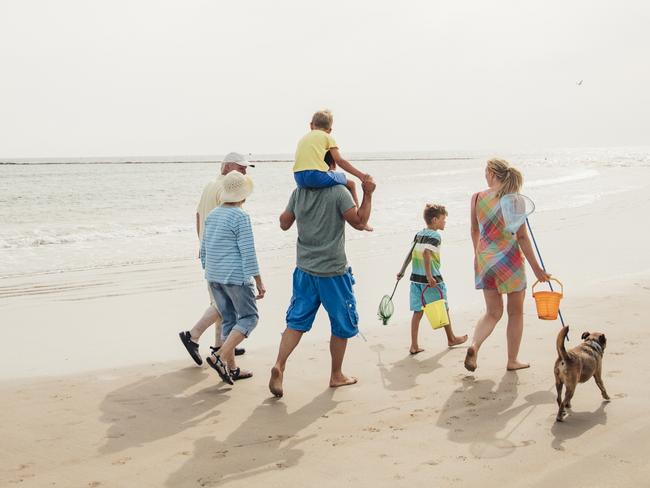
(561, 337)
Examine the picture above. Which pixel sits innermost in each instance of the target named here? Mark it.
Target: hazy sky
(102, 78)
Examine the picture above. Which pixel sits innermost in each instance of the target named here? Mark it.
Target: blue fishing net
(515, 208)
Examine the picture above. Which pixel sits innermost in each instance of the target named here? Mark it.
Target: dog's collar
(595, 345)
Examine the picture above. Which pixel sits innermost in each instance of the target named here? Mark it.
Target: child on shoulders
(317, 157)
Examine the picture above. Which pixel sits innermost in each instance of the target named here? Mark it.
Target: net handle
(425, 289)
(554, 279)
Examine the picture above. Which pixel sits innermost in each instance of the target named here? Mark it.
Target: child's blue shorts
(312, 178)
(336, 295)
(431, 295)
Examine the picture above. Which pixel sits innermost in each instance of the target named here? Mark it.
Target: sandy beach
(97, 391)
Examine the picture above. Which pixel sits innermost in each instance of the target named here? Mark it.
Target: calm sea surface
(57, 217)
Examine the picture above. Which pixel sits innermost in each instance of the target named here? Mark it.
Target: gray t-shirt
(321, 229)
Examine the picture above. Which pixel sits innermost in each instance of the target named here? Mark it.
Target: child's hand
(400, 275)
(368, 185)
(432, 282)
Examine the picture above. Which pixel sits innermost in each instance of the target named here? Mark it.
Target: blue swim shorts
(336, 295)
(431, 295)
(319, 179)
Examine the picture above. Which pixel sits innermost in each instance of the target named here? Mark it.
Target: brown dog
(577, 366)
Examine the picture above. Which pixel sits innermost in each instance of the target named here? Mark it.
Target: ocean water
(58, 216)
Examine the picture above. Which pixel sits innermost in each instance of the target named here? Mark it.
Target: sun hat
(236, 187)
(237, 158)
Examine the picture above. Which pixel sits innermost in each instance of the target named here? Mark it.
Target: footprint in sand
(123, 460)
(433, 462)
(620, 395)
(94, 483)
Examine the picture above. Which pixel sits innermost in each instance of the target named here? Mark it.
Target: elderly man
(210, 199)
(322, 275)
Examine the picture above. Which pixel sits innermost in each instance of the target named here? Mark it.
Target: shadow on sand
(576, 424)
(156, 407)
(265, 441)
(402, 375)
(479, 415)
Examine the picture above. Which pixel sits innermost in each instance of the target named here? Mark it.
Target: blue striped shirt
(227, 248)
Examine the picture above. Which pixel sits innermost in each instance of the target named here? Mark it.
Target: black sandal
(220, 368)
(236, 374)
(238, 350)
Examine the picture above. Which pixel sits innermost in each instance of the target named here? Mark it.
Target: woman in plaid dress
(499, 263)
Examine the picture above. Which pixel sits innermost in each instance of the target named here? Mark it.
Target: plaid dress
(500, 263)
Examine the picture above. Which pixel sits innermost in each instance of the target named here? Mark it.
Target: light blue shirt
(227, 248)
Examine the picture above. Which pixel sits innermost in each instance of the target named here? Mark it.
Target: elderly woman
(499, 265)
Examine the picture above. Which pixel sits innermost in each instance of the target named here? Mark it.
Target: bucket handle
(553, 279)
(425, 289)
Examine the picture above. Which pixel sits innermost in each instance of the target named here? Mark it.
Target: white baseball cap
(237, 158)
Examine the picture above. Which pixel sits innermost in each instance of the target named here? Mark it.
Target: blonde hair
(510, 177)
(322, 119)
(433, 210)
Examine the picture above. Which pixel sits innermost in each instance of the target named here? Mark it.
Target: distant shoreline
(24, 163)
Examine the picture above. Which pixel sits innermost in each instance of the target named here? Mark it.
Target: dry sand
(97, 390)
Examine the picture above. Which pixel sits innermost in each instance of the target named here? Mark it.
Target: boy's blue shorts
(431, 295)
(336, 295)
(312, 178)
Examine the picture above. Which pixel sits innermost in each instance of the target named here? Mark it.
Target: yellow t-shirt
(210, 199)
(310, 153)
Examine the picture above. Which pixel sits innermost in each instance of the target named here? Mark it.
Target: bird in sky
(580, 83)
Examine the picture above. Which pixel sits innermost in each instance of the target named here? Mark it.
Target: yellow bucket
(435, 311)
(548, 302)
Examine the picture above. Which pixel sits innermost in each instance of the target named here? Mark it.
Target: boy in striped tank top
(425, 272)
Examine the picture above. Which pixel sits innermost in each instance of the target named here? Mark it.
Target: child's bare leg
(453, 339)
(415, 325)
(352, 187)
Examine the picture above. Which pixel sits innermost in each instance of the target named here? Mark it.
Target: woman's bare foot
(367, 228)
(275, 383)
(342, 380)
(415, 350)
(457, 341)
(515, 365)
(470, 359)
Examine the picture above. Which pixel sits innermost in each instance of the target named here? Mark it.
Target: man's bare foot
(470, 359)
(275, 383)
(415, 350)
(457, 341)
(515, 365)
(342, 380)
(367, 228)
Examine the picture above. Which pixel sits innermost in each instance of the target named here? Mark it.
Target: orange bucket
(548, 302)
